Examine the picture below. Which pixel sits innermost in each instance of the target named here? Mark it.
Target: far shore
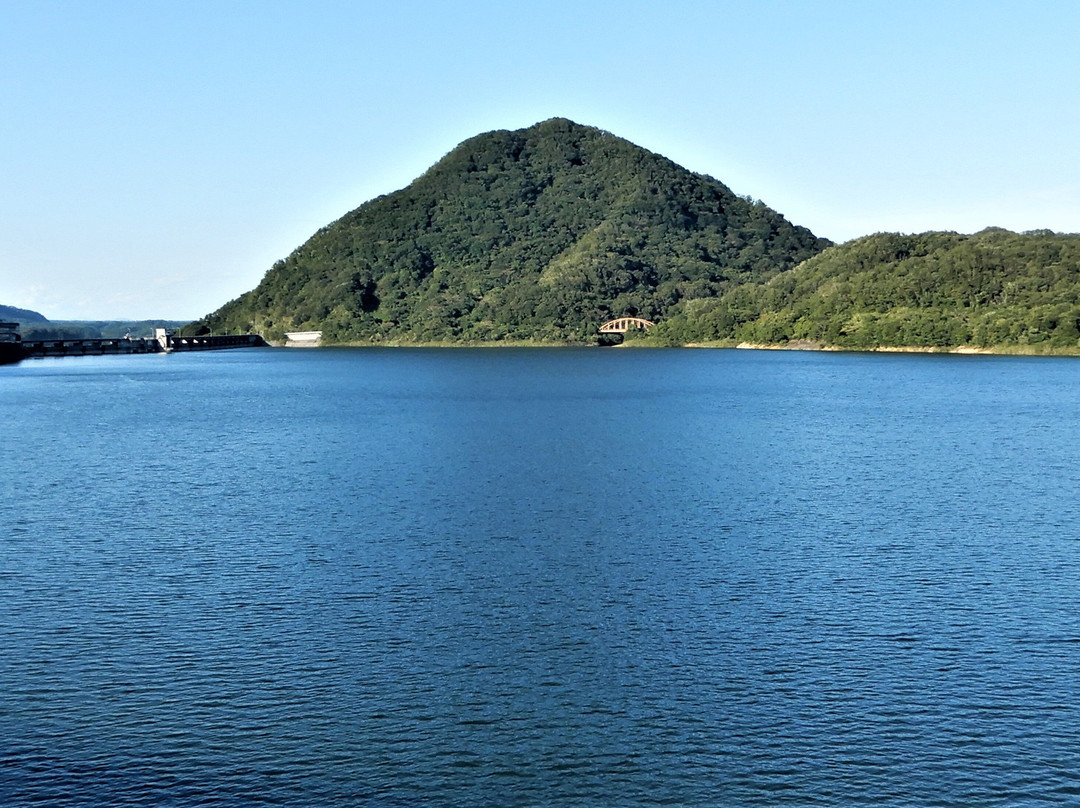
(808, 345)
(794, 345)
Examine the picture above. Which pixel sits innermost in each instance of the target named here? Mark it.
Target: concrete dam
(163, 341)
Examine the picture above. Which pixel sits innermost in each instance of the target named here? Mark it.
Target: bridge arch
(621, 325)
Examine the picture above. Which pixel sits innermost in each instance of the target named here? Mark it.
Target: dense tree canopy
(539, 234)
(542, 234)
(992, 289)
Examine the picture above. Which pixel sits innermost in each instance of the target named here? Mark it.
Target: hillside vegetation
(11, 314)
(994, 289)
(35, 326)
(95, 329)
(539, 234)
(542, 234)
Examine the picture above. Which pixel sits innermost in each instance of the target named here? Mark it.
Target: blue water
(539, 578)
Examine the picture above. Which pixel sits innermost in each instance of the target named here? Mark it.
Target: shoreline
(964, 350)
(801, 346)
(795, 345)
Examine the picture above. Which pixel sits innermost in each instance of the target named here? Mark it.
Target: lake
(550, 577)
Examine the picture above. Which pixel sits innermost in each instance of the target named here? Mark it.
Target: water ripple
(472, 578)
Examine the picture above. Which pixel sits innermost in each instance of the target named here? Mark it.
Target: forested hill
(16, 315)
(994, 289)
(537, 234)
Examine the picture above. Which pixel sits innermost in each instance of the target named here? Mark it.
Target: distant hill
(994, 289)
(13, 315)
(539, 234)
(95, 329)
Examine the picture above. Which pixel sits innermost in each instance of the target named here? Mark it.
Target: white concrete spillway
(302, 339)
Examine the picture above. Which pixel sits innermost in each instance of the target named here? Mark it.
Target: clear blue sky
(157, 157)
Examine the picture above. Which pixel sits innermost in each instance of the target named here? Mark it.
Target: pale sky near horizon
(157, 157)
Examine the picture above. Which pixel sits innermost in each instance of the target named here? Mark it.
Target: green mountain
(539, 234)
(10, 314)
(995, 289)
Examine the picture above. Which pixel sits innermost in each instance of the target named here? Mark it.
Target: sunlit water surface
(518, 578)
